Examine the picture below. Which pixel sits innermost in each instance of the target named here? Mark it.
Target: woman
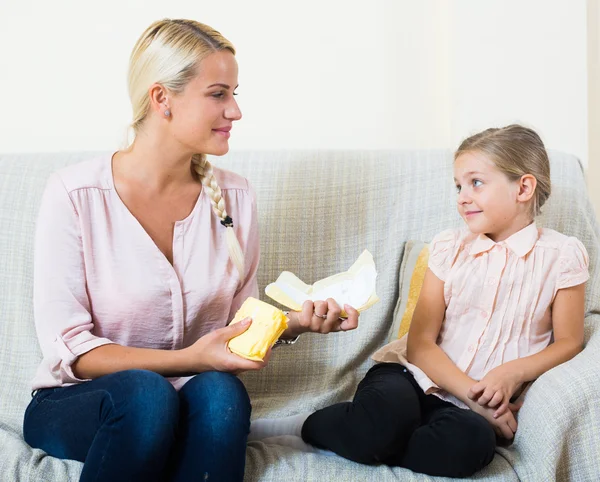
(141, 260)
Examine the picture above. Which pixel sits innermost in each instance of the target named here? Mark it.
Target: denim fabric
(133, 425)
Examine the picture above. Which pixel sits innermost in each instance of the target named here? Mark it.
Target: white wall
(521, 61)
(313, 74)
(593, 173)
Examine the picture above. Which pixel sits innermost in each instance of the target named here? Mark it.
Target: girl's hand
(211, 352)
(321, 317)
(496, 389)
(504, 425)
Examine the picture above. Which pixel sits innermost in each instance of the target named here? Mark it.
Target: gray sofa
(318, 211)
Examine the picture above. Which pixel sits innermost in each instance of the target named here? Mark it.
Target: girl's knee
(476, 449)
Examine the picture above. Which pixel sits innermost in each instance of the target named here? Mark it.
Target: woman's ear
(158, 99)
(527, 185)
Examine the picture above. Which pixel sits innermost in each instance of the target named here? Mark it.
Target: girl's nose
(463, 197)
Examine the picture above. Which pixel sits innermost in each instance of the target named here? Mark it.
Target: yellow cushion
(412, 272)
(268, 323)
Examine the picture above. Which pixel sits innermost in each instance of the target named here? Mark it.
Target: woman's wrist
(186, 363)
(294, 328)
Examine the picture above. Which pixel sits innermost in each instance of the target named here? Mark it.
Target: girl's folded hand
(496, 388)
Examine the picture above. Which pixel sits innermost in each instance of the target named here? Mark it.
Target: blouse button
(484, 314)
(471, 349)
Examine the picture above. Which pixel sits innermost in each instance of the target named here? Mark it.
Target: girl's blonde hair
(516, 151)
(169, 53)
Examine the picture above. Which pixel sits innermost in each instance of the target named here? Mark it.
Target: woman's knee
(219, 399)
(145, 398)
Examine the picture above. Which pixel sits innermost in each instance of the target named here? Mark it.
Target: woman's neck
(154, 163)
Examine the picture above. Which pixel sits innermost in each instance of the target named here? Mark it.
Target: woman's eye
(457, 189)
(477, 183)
(218, 95)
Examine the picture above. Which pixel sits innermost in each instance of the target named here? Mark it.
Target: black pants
(391, 421)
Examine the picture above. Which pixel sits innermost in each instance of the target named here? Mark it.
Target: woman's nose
(233, 111)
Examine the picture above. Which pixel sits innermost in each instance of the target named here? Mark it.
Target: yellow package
(268, 323)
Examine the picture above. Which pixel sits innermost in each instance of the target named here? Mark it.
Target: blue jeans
(133, 425)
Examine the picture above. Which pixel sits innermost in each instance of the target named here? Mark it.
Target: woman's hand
(321, 317)
(496, 388)
(212, 353)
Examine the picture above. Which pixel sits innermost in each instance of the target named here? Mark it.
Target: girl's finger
(496, 399)
(475, 391)
(512, 423)
(487, 395)
(501, 410)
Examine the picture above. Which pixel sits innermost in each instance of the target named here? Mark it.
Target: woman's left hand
(321, 317)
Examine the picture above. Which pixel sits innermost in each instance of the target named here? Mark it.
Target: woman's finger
(332, 318)
(234, 329)
(321, 309)
(351, 322)
(305, 316)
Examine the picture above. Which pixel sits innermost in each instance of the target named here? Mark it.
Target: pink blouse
(99, 278)
(498, 297)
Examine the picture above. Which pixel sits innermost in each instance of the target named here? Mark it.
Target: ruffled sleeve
(442, 252)
(573, 262)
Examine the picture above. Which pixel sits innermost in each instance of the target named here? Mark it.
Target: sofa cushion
(410, 279)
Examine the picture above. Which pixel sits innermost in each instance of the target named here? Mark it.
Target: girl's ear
(527, 185)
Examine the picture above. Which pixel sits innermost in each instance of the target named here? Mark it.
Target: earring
(167, 113)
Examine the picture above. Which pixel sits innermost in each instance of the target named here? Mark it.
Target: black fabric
(391, 421)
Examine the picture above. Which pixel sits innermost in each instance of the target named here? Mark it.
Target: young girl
(493, 299)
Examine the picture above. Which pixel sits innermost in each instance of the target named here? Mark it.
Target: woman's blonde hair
(169, 53)
(516, 151)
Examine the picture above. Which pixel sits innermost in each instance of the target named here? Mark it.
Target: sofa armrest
(559, 424)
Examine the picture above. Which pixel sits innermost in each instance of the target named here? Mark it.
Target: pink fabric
(498, 297)
(99, 278)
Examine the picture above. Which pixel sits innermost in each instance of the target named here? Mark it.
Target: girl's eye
(477, 183)
(457, 189)
(218, 95)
